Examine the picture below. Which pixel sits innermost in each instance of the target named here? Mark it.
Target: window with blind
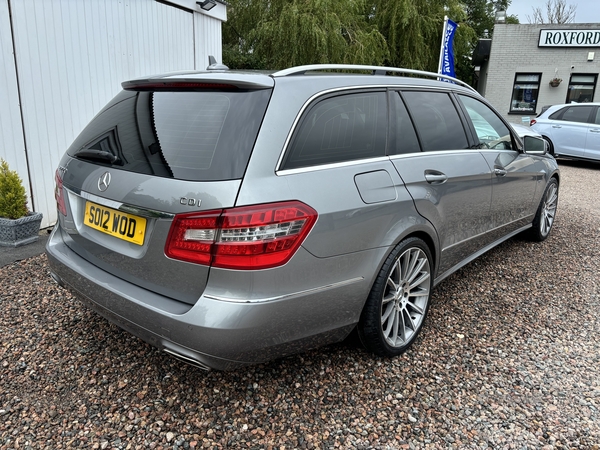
(581, 88)
(525, 93)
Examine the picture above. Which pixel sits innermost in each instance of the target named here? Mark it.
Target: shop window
(525, 92)
(581, 88)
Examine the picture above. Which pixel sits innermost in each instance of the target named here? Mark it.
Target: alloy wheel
(549, 210)
(405, 297)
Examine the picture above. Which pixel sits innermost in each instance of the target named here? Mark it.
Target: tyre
(546, 212)
(399, 300)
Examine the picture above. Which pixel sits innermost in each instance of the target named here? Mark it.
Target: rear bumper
(213, 333)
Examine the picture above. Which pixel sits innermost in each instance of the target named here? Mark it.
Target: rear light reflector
(59, 194)
(532, 122)
(245, 238)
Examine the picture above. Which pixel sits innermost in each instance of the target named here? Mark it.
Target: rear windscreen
(187, 135)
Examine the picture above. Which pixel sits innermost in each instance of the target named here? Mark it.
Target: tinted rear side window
(337, 129)
(437, 121)
(406, 137)
(573, 114)
(197, 136)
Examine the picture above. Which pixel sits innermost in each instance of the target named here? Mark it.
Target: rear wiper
(98, 155)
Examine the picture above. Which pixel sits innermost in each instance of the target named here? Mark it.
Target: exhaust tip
(57, 279)
(186, 359)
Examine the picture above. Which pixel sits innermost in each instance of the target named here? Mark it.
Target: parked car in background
(571, 130)
(229, 218)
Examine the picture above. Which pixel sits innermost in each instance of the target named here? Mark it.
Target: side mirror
(534, 145)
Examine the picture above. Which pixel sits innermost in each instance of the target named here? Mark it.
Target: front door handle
(435, 177)
(595, 130)
(556, 126)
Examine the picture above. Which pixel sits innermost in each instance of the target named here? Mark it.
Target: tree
(481, 15)
(557, 11)
(413, 30)
(283, 33)
(402, 33)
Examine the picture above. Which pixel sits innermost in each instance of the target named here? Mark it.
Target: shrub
(13, 199)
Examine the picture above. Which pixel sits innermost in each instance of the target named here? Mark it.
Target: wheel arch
(426, 233)
(429, 241)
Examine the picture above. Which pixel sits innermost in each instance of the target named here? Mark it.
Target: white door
(592, 142)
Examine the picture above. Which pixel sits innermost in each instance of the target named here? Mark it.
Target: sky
(588, 11)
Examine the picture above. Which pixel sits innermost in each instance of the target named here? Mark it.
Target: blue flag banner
(447, 66)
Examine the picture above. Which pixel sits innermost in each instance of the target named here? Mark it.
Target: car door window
(579, 114)
(437, 121)
(405, 137)
(491, 131)
(342, 128)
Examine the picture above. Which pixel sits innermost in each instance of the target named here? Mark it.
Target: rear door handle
(595, 130)
(435, 177)
(556, 126)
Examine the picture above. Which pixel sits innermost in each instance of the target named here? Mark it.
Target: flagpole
(442, 44)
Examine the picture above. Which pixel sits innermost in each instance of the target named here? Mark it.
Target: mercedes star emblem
(104, 181)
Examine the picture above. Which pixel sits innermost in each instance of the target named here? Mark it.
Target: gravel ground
(509, 358)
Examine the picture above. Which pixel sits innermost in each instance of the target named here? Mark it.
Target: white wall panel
(12, 146)
(72, 56)
(208, 40)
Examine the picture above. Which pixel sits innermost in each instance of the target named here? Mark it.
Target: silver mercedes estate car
(229, 218)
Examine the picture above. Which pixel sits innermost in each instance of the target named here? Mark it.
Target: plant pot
(554, 83)
(17, 232)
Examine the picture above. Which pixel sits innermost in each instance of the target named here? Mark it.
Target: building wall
(70, 57)
(12, 145)
(515, 49)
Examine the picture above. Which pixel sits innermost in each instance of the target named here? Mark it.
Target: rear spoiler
(199, 81)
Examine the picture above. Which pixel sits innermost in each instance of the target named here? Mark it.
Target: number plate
(116, 223)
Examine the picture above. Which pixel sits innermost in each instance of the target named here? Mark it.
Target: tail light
(59, 193)
(245, 238)
(532, 122)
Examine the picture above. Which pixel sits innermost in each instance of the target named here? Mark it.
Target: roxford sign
(569, 38)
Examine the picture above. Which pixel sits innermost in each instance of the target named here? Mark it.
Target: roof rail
(376, 70)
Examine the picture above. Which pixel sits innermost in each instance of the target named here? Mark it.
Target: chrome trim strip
(331, 166)
(446, 152)
(437, 152)
(287, 296)
(100, 200)
(143, 212)
(501, 150)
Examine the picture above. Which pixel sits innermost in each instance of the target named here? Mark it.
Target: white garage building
(61, 61)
